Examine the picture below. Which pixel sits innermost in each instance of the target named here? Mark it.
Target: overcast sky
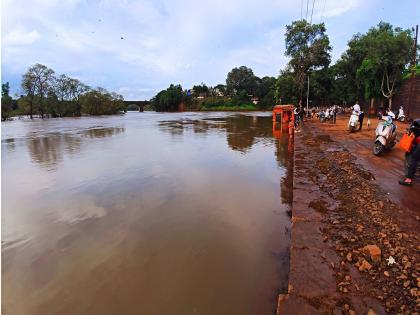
(139, 47)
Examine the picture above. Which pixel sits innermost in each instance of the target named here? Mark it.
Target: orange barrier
(283, 119)
(283, 113)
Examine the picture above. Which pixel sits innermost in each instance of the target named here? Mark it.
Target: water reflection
(242, 131)
(10, 144)
(102, 132)
(49, 150)
(172, 214)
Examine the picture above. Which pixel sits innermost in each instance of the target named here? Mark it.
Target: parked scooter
(386, 133)
(321, 116)
(401, 116)
(353, 121)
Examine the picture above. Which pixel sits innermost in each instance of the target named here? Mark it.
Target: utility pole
(307, 97)
(413, 71)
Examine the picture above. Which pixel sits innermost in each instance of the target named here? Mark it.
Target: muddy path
(387, 168)
(355, 244)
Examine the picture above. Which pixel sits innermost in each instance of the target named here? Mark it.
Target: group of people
(326, 114)
(413, 156)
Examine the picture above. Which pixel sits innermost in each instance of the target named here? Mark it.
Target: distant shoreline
(26, 117)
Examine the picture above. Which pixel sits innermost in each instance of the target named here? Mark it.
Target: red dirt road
(387, 168)
(349, 217)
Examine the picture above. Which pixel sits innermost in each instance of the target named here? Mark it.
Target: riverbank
(350, 222)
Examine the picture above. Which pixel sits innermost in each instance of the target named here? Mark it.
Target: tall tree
(37, 82)
(390, 50)
(287, 91)
(309, 48)
(241, 79)
(200, 90)
(6, 101)
(169, 99)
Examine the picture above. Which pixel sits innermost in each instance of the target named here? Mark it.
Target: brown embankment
(349, 220)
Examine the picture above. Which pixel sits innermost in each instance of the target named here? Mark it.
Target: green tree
(321, 81)
(169, 99)
(220, 89)
(265, 86)
(390, 52)
(37, 82)
(101, 102)
(309, 48)
(6, 101)
(374, 62)
(286, 89)
(342, 85)
(200, 90)
(241, 79)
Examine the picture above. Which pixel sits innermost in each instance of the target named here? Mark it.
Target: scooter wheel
(378, 148)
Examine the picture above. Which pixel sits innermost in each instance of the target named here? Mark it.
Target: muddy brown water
(146, 213)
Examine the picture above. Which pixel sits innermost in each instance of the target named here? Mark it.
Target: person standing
(414, 158)
(334, 112)
(361, 117)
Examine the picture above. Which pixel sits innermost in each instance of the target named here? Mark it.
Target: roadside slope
(344, 228)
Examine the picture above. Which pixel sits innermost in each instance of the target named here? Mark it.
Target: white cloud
(164, 41)
(19, 37)
(334, 8)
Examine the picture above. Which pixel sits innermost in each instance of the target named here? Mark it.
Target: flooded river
(146, 213)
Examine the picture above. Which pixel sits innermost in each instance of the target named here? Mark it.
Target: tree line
(47, 94)
(241, 88)
(372, 68)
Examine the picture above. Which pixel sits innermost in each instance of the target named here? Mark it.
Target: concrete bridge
(140, 104)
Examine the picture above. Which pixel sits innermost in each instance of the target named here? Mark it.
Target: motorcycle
(353, 121)
(401, 118)
(321, 117)
(385, 136)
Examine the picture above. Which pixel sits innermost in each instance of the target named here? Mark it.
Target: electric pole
(413, 73)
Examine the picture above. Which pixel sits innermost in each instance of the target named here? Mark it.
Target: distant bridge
(140, 104)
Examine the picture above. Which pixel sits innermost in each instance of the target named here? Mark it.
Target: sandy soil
(351, 221)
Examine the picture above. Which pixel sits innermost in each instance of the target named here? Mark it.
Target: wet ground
(387, 168)
(354, 243)
(145, 214)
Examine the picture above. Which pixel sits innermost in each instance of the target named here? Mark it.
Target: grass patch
(230, 108)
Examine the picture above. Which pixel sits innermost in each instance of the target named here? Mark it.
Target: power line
(301, 9)
(313, 4)
(323, 9)
(307, 4)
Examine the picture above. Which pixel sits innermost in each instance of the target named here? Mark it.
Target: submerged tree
(36, 82)
(59, 96)
(169, 99)
(6, 101)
